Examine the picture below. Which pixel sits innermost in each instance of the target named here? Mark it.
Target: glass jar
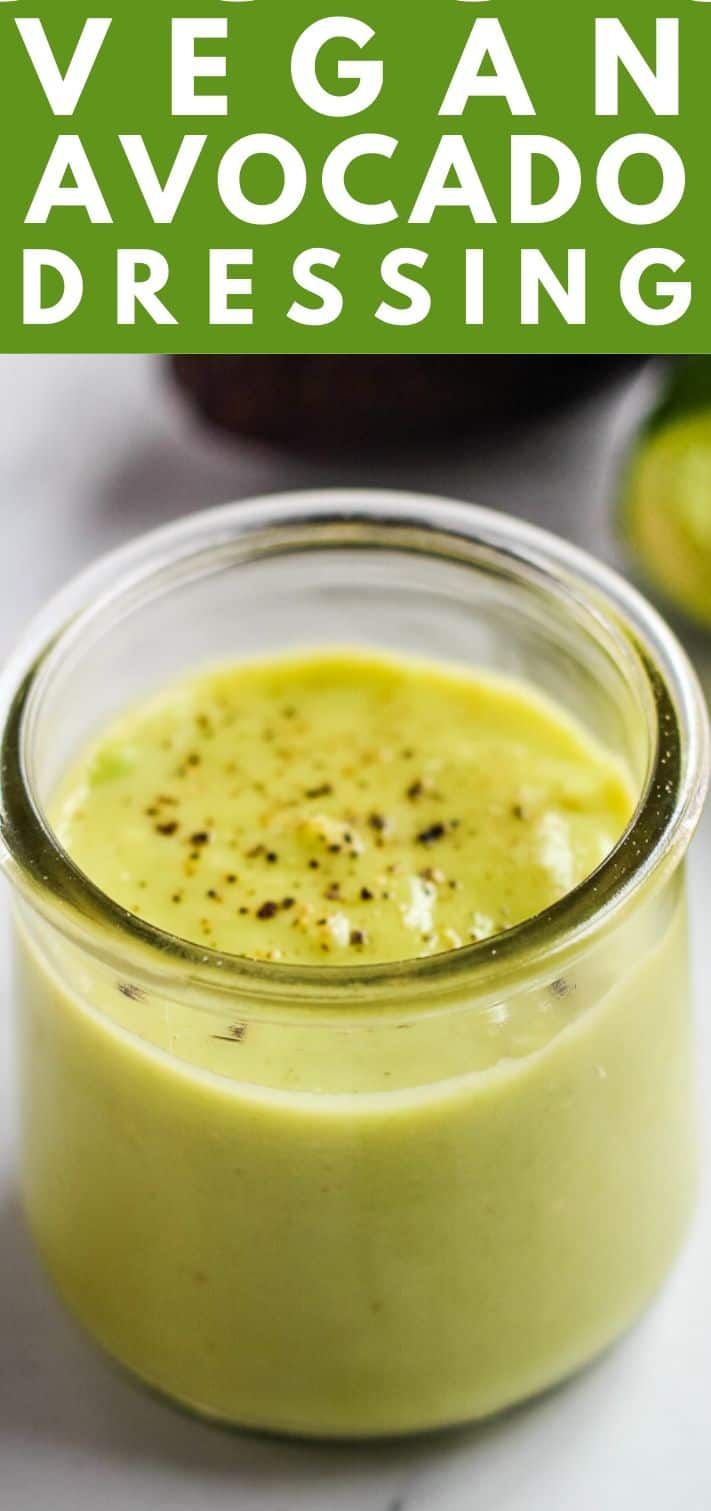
(421, 1192)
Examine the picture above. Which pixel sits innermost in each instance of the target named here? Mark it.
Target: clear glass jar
(424, 1191)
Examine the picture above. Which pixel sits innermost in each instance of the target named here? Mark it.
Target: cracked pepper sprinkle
(267, 809)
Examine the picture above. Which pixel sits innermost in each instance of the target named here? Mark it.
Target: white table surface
(92, 451)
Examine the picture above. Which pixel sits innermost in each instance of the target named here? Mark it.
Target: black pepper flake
(333, 891)
(415, 790)
(287, 903)
(230, 878)
(517, 811)
(167, 829)
(313, 865)
(431, 835)
(268, 910)
(324, 790)
(200, 838)
(213, 894)
(378, 822)
(177, 897)
(244, 911)
(272, 857)
(235, 1035)
(134, 993)
(357, 937)
(366, 894)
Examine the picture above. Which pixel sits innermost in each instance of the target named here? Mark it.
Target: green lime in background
(666, 497)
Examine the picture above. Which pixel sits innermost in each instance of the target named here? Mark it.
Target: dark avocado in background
(386, 403)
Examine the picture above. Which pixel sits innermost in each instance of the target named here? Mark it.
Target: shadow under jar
(376, 1199)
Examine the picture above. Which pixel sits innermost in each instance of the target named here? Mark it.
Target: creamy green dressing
(340, 807)
(336, 1216)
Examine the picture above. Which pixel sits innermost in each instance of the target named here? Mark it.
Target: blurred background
(613, 452)
(94, 450)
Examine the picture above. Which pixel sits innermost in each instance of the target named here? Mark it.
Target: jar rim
(654, 841)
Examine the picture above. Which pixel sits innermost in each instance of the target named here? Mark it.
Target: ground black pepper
(274, 826)
(235, 1035)
(134, 993)
(431, 835)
